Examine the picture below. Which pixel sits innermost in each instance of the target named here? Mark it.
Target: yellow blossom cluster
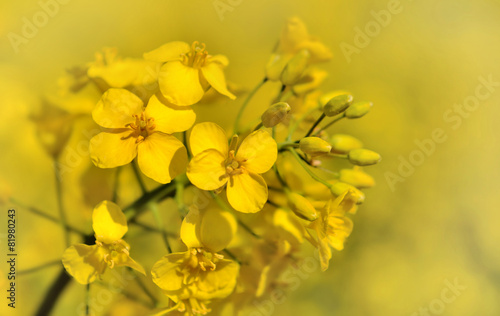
(252, 201)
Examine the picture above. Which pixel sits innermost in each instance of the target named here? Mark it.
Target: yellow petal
(124, 260)
(206, 170)
(126, 72)
(294, 33)
(325, 253)
(116, 108)
(169, 118)
(110, 150)
(165, 272)
(189, 229)
(162, 157)
(259, 151)
(208, 135)
(84, 262)
(217, 239)
(215, 76)
(319, 52)
(168, 52)
(247, 192)
(220, 59)
(109, 222)
(218, 283)
(180, 84)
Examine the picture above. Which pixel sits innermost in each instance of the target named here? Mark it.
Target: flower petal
(217, 239)
(215, 76)
(189, 229)
(259, 152)
(206, 170)
(165, 272)
(84, 262)
(180, 84)
(109, 150)
(168, 52)
(247, 192)
(162, 157)
(208, 135)
(218, 283)
(125, 260)
(116, 108)
(109, 222)
(220, 59)
(169, 118)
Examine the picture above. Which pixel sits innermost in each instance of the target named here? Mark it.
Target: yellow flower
(215, 163)
(333, 226)
(86, 262)
(294, 39)
(134, 131)
(188, 72)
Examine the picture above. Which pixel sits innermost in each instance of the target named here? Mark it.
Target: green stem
(330, 124)
(282, 146)
(306, 168)
(315, 124)
(245, 104)
(40, 267)
(180, 183)
(138, 177)
(87, 300)
(159, 222)
(62, 213)
(144, 288)
(258, 127)
(296, 124)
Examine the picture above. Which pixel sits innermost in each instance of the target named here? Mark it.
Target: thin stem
(315, 124)
(245, 104)
(232, 256)
(179, 196)
(40, 267)
(296, 124)
(53, 293)
(258, 127)
(159, 222)
(306, 168)
(87, 300)
(47, 216)
(116, 185)
(284, 145)
(144, 288)
(62, 213)
(185, 141)
(138, 177)
(330, 124)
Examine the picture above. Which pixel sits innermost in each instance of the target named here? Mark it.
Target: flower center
(233, 166)
(113, 251)
(142, 127)
(197, 57)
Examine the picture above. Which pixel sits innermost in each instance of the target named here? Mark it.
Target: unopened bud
(295, 68)
(357, 178)
(337, 104)
(323, 99)
(338, 188)
(314, 146)
(275, 114)
(363, 157)
(358, 109)
(301, 206)
(342, 143)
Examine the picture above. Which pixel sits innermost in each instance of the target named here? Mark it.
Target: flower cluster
(249, 198)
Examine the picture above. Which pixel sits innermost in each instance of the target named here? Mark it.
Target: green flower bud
(323, 99)
(357, 178)
(358, 109)
(337, 104)
(340, 187)
(275, 114)
(314, 146)
(363, 157)
(342, 143)
(295, 68)
(301, 206)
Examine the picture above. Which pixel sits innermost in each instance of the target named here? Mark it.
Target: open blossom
(85, 263)
(188, 72)
(333, 226)
(132, 130)
(216, 164)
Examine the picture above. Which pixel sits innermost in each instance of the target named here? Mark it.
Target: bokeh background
(439, 224)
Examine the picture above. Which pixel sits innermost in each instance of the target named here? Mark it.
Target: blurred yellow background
(432, 218)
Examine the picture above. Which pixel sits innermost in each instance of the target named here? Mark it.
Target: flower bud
(314, 146)
(342, 143)
(358, 109)
(357, 178)
(275, 114)
(301, 206)
(337, 104)
(275, 66)
(295, 68)
(323, 99)
(363, 157)
(338, 188)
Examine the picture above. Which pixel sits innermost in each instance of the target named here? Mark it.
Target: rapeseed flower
(132, 130)
(85, 263)
(216, 164)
